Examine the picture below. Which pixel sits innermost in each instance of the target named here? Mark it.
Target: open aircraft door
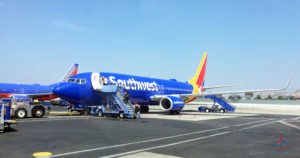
(97, 82)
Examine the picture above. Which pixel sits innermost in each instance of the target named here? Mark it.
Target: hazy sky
(254, 43)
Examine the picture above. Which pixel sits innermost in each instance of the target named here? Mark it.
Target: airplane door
(97, 84)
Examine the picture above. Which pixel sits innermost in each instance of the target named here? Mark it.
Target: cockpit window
(83, 81)
(79, 81)
(71, 80)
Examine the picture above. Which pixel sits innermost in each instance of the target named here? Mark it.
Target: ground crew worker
(136, 110)
(105, 81)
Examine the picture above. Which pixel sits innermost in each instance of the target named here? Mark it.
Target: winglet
(71, 72)
(287, 85)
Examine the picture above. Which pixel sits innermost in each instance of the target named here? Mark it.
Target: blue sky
(253, 43)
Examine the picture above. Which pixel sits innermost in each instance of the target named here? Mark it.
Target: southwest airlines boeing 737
(171, 94)
(36, 91)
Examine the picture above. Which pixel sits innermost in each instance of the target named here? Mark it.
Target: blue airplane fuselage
(43, 92)
(139, 88)
(7, 90)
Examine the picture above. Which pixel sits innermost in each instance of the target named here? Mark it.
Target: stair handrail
(121, 90)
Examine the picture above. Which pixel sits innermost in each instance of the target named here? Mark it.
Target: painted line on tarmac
(181, 142)
(58, 119)
(139, 142)
(256, 125)
(288, 124)
(296, 118)
(163, 146)
(252, 122)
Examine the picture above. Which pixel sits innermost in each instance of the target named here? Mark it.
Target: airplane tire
(100, 113)
(177, 112)
(206, 110)
(21, 113)
(86, 112)
(38, 112)
(122, 115)
(144, 109)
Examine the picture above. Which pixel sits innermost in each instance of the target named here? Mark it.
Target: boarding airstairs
(226, 106)
(114, 105)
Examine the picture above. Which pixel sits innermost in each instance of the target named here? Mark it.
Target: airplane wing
(42, 96)
(188, 96)
(38, 95)
(214, 87)
(200, 95)
(228, 92)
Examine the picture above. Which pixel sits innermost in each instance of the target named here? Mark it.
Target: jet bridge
(114, 104)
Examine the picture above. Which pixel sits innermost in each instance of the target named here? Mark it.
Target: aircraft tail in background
(71, 72)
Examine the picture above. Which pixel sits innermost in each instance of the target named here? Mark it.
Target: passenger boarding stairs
(129, 106)
(223, 103)
(114, 103)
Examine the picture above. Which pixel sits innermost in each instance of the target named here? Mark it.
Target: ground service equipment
(114, 105)
(5, 119)
(22, 108)
(225, 107)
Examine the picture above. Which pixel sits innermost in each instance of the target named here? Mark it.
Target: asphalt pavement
(89, 136)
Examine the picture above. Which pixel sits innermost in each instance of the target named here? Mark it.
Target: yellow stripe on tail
(198, 79)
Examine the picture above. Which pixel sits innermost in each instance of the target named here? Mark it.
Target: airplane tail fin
(198, 80)
(71, 72)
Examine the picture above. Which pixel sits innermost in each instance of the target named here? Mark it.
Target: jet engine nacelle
(171, 103)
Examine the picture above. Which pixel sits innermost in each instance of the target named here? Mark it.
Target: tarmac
(156, 134)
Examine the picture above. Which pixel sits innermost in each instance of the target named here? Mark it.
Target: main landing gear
(177, 112)
(144, 109)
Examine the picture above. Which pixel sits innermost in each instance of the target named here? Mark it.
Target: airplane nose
(61, 90)
(56, 90)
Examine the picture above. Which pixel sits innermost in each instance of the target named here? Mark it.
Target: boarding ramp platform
(115, 105)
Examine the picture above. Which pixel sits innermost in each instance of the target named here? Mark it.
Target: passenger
(105, 81)
(136, 108)
(126, 97)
